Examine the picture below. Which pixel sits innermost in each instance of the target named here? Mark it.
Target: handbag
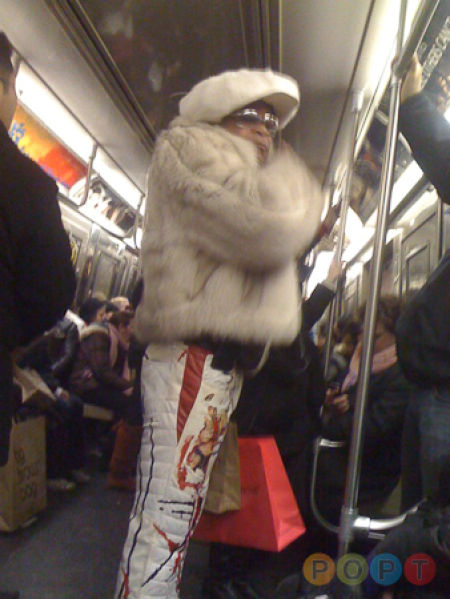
(269, 517)
(224, 490)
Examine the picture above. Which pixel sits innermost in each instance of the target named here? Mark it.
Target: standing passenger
(37, 278)
(423, 331)
(36, 274)
(226, 218)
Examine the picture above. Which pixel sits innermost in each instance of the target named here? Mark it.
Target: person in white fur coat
(227, 218)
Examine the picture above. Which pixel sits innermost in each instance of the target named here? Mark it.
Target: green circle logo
(352, 569)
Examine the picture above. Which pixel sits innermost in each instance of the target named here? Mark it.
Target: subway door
(420, 251)
(106, 266)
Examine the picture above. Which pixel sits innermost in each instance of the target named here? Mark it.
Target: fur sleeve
(257, 218)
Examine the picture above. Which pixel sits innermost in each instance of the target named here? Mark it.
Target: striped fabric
(187, 405)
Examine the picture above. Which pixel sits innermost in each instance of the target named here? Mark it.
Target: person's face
(100, 314)
(8, 98)
(347, 346)
(256, 125)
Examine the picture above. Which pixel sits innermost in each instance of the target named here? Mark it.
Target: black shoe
(9, 595)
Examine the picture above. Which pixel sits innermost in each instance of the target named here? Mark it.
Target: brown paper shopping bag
(224, 490)
(23, 490)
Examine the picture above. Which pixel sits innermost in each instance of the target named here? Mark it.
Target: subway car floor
(72, 549)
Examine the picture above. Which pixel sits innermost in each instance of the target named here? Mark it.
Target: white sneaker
(60, 484)
(80, 476)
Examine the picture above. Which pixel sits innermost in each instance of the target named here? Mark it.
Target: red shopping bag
(269, 518)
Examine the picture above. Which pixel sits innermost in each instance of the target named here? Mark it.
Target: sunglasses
(250, 117)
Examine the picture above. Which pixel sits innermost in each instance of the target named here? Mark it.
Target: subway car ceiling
(112, 73)
(121, 67)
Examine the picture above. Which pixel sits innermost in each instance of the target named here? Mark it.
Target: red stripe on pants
(193, 371)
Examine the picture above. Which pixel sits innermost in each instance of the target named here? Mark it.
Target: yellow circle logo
(319, 569)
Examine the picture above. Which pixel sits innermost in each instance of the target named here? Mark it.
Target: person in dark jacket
(66, 454)
(423, 330)
(93, 310)
(63, 343)
(283, 399)
(426, 130)
(36, 273)
(388, 397)
(427, 531)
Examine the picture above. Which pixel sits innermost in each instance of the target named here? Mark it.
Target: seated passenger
(426, 531)
(92, 310)
(388, 397)
(345, 335)
(63, 342)
(66, 452)
(100, 374)
(110, 309)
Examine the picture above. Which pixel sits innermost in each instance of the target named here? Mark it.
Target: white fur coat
(221, 238)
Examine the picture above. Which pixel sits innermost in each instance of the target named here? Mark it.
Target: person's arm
(96, 347)
(228, 207)
(316, 304)
(384, 415)
(427, 132)
(35, 356)
(71, 343)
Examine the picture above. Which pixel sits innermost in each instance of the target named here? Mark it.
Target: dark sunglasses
(250, 117)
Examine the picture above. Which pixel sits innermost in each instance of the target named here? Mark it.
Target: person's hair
(6, 66)
(89, 309)
(340, 327)
(110, 307)
(119, 302)
(351, 329)
(389, 310)
(124, 317)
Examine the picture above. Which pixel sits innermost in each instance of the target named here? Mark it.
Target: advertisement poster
(434, 56)
(38, 143)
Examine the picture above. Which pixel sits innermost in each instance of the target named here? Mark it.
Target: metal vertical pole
(349, 509)
(440, 228)
(89, 175)
(405, 54)
(83, 201)
(356, 109)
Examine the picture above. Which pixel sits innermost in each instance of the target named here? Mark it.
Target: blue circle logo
(385, 569)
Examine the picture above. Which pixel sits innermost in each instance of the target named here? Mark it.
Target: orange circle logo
(319, 569)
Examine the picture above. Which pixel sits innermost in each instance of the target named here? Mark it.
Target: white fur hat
(216, 97)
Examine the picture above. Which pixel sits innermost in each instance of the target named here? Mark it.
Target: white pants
(187, 405)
